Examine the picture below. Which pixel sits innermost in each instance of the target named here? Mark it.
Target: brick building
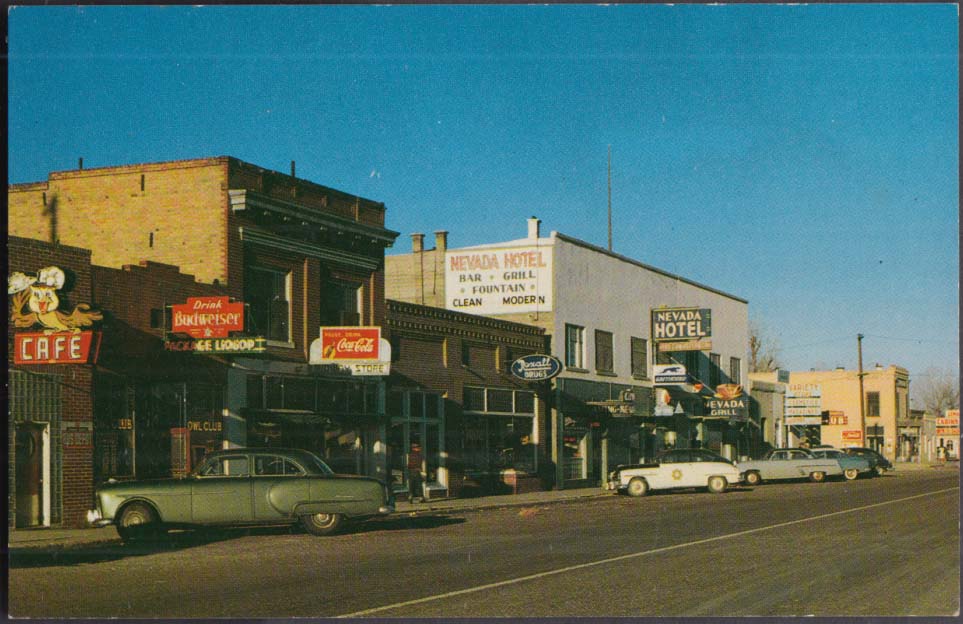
(451, 392)
(295, 254)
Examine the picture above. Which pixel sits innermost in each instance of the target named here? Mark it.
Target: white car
(678, 468)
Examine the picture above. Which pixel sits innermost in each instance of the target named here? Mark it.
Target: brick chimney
(441, 240)
(533, 227)
(417, 243)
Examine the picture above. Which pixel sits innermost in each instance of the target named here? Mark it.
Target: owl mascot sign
(62, 341)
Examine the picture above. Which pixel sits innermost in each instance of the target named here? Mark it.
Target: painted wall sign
(536, 367)
(207, 317)
(58, 348)
(246, 344)
(833, 417)
(669, 374)
(681, 324)
(499, 280)
(39, 295)
(853, 435)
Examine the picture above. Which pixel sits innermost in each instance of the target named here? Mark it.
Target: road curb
(431, 509)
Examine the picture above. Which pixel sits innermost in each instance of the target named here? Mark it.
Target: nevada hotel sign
(499, 280)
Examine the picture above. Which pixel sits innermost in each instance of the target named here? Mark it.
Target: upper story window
(692, 364)
(603, 352)
(640, 357)
(715, 370)
(340, 304)
(574, 346)
(872, 403)
(267, 292)
(735, 370)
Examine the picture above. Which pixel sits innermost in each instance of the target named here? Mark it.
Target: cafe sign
(536, 367)
(207, 317)
(59, 348)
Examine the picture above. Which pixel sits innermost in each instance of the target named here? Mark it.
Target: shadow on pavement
(60, 555)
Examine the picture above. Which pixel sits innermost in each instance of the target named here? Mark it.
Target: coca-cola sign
(350, 344)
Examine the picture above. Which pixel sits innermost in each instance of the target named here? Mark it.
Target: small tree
(763, 349)
(937, 390)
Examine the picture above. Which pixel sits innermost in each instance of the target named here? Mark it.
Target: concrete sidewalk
(62, 538)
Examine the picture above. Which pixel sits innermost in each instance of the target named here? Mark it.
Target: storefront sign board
(851, 436)
(499, 280)
(804, 420)
(729, 401)
(59, 348)
(536, 367)
(689, 345)
(681, 324)
(669, 374)
(207, 317)
(346, 344)
(223, 346)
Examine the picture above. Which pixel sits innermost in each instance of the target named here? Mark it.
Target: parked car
(242, 487)
(790, 463)
(877, 462)
(677, 468)
(852, 465)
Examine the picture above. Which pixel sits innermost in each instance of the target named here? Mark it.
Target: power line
(905, 339)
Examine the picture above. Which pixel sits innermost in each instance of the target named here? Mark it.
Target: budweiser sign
(207, 317)
(350, 343)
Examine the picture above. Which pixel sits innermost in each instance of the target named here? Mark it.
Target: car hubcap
(323, 519)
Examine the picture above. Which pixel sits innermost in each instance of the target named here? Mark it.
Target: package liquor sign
(207, 317)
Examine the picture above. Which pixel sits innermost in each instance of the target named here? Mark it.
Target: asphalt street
(887, 546)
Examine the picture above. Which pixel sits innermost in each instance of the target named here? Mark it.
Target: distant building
(597, 308)
(824, 407)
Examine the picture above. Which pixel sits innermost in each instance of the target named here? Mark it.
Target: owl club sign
(35, 303)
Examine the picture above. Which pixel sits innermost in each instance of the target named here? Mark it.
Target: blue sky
(805, 158)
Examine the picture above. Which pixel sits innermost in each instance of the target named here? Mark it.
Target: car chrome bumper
(94, 519)
(384, 510)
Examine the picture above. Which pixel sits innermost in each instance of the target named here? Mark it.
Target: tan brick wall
(171, 213)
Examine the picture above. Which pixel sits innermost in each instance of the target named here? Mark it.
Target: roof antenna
(610, 198)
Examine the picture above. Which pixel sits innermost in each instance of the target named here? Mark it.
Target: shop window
(715, 370)
(474, 399)
(266, 292)
(574, 346)
(299, 394)
(274, 393)
(500, 401)
(524, 402)
(603, 352)
(735, 370)
(255, 391)
(640, 357)
(340, 304)
(416, 405)
(872, 404)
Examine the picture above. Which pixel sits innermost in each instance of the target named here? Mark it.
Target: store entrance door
(29, 481)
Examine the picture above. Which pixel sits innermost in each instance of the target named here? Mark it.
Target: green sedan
(242, 487)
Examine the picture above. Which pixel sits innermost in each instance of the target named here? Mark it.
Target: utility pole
(610, 198)
(862, 398)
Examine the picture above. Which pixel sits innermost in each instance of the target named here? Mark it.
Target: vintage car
(242, 487)
(852, 466)
(877, 462)
(678, 468)
(789, 463)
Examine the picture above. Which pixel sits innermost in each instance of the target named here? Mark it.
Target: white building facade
(606, 408)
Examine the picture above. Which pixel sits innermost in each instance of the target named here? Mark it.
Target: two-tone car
(676, 469)
(852, 465)
(241, 486)
(877, 462)
(789, 463)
